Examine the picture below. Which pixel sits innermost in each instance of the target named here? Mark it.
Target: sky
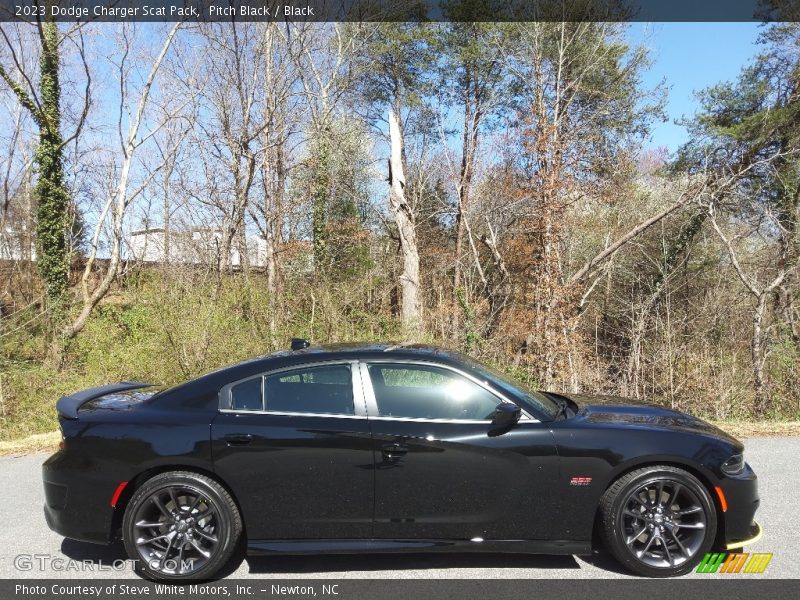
(691, 57)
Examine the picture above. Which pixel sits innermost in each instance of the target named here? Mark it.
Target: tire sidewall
(227, 536)
(620, 548)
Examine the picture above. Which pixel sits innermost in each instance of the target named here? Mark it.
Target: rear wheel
(181, 525)
(658, 521)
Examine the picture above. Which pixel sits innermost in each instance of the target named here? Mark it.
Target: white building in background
(16, 244)
(198, 246)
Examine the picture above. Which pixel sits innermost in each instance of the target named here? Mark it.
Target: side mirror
(506, 415)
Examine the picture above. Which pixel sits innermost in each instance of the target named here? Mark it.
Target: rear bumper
(73, 506)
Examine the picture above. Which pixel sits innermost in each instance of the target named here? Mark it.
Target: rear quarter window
(247, 395)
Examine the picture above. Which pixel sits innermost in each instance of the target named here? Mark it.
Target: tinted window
(247, 395)
(323, 390)
(537, 400)
(423, 392)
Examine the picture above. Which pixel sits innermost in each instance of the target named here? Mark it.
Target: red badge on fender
(580, 481)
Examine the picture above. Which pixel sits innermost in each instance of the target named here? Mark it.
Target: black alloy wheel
(181, 525)
(658, 521)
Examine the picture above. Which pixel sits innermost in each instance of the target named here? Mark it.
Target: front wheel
(658, 521)
(181, 525)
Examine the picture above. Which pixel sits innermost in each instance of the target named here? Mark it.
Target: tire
(672, 513)
(181, 526)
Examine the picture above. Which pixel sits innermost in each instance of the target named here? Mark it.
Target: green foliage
(518, 373)
(574, 111)
(165, 329)
(473, 62)
(53, 199)
(749, 132)
(320, 188)
(339, 177)
(472, 338)
(51, 192)
(396, 62)
(751, 121)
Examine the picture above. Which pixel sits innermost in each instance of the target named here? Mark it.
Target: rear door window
(326, 389)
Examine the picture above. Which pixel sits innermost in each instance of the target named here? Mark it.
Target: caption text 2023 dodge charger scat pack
(386, 448)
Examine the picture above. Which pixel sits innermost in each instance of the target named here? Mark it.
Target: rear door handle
(394, 451)
(238, 439)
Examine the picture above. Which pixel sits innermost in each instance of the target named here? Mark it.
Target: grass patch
(166, 329)
(751, 429)
(39, 442)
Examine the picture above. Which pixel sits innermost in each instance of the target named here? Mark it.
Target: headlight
(734, 465)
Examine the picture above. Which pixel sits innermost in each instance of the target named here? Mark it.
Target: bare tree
(761, 292)
(411, 311)
(236, 57)
(281, 108)
(121, 196)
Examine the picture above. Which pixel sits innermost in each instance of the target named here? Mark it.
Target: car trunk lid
(115, 396)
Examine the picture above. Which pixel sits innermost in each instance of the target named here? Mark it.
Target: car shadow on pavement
(342, 563)
(96, 553)
(404, 562)
(601, 559)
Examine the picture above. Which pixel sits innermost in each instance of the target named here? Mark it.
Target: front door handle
(238, 439)
(394, 451)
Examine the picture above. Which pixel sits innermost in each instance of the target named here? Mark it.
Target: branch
(608, 252)
(29, 101)
(23, 97)
(748, 281)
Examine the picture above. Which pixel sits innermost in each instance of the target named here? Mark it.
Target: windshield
(536, 399)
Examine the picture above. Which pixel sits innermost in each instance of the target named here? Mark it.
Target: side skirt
(261, 547)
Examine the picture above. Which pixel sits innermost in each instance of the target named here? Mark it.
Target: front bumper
(741, 493)
(755, 534)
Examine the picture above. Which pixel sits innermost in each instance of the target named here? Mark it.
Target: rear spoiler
(67, 406)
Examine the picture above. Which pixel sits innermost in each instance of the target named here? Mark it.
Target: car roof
(369, 350)
(327, 352)
(202, 390)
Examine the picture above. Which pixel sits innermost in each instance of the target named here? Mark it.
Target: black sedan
(389, 448)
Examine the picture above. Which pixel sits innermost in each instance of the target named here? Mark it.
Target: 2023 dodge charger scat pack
(386, 448)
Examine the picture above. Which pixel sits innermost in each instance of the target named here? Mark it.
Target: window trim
(228, 389)
(365, 405)
(372, 404)
(359, 404)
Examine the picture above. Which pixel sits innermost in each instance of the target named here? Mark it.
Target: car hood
(615, 410)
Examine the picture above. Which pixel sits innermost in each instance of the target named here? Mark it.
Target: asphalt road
(24, 532)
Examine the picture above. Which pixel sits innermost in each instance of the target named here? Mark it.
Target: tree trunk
(757, 353)
(499, 293)
(468, 149)
(411, 306)
(319, 199)
(469, 143)
(52, 215)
